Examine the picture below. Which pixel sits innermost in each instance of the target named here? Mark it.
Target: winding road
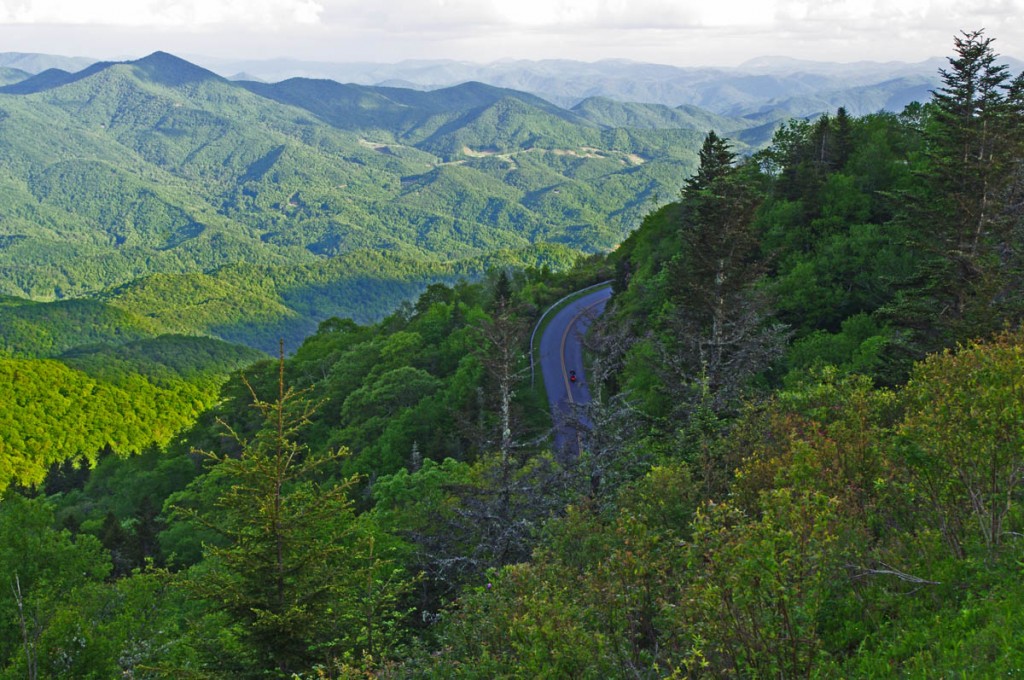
(561, 351)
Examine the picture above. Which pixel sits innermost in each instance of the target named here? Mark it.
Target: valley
(159, 168)
(267, 351)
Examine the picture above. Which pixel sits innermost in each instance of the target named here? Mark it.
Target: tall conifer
(721, 332)
(963, 218)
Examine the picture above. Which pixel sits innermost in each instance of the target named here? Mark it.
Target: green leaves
(44, 570)
(56, 413)
(298, 576)
(967, 419)
(759, 584)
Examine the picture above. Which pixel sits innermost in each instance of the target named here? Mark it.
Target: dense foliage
(106, 400)
(804, 455)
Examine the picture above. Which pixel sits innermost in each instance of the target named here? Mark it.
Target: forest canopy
(803, 455)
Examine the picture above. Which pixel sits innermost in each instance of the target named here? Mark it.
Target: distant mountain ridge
(790, 86)
(33, 63)
(10, 75)
(795, 86)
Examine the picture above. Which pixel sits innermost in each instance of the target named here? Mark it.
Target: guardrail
(542, 317)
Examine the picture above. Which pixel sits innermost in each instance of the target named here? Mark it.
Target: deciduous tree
(965, 439)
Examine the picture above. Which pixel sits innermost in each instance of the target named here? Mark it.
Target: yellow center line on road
(565, 336)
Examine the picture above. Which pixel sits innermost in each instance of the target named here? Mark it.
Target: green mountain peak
(166, 69)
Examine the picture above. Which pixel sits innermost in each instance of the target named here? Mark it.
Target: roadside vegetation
(806, 456)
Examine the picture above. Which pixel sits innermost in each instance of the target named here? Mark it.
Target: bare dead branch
(859, 572)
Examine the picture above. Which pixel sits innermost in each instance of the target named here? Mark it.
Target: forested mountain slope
(9, 75)
(157, 166)
(802, 458)
(107, 400)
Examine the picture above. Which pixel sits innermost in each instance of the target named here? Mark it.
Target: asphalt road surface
(561, 351)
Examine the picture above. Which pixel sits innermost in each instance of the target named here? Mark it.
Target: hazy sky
(680, 32)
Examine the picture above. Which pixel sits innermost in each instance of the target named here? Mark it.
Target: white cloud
(597, 13)
(161, 13)
(551, 15)
(720, 32)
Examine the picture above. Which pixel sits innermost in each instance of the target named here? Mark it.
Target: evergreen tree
(843, 144)
(964, 217)
(502, 292)
(720, 325)
(115, 539)
(716, 159)
(298, 577)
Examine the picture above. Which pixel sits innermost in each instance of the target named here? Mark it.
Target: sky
(677, 32)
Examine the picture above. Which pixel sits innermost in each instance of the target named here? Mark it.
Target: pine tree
(722, 335)
(502, 292)
(843, 143)
(299, 577)
(963, 218)
(716, 160)
(968, 151)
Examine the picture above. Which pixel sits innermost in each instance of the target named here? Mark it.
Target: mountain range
(754, 88)
(251, 211)
(766, 86)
